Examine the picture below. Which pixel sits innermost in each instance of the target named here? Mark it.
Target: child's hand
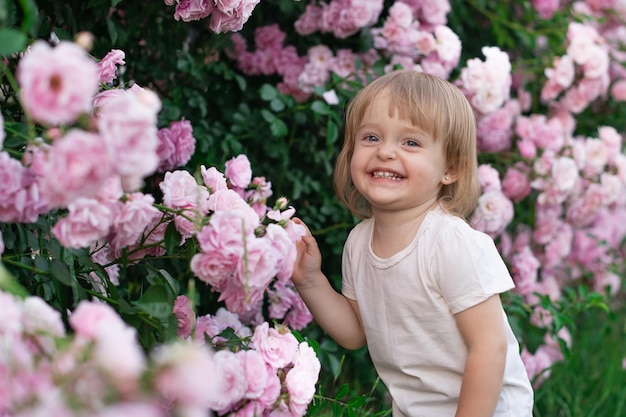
(309, 259)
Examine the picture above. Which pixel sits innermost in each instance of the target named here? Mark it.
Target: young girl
(420, 286)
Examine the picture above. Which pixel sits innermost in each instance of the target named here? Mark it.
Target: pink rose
(186, 374)
(299, 316)
(301, 379)
(76, 166)
(24, 206)
(284, 249)
(57, 84)
(618, 90)
(546, 8)
(230, 201)
(612, 140)
(596, 156)
(118, 353)
(151, 240)
(272, 390)
(185, 315)
(214, 269)
(308, 22)
(213, 179)
(104, 96)
(10, 315)
(242, 300)
(130, 219)
(87, 222)
(401, 14)
(527, 148)
(516, 184)
(565, 175)
(259, 266)
(176, 145)
(180, 190)
(255, 371)
(448, 46)
(107, 67)
(127, 123)
(605, 281)
(489, 178)
(38, 317)
(269, 37)
(525, 267)
(213, 325)
(238, 171)
(11, 171)
(277, 346)
(89, 318)
(102, 255)
(226, 233)
(188, 10)
(234, 20)
(231, 379)
(495, 129)
(557, 250)
(344, 63)
(583, 211)
(493, 213)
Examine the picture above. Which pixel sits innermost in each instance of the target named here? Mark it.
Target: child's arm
(483, 331)
(336, 314)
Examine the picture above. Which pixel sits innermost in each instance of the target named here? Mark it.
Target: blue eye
(412, 143)
(371, 138)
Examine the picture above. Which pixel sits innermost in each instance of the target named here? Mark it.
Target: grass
(591, 382)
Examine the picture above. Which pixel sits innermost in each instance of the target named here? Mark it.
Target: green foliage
(592, 380)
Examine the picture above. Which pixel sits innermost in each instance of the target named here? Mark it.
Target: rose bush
(111, 189)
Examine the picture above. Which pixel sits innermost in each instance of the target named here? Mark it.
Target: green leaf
(173, 284)
(342, 391)
(155, 301)
(278, 128)
(10, 284)
(29, 7)
(61, 272)
(277, 105)
(11, 41)
(172, 238)
(112, 30)
(332, 132)
(241, 82)
(268, 116)
(268, 92)
(335, 365)
(320, 107)
(358, 401)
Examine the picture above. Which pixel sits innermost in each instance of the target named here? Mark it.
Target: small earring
(445, 178)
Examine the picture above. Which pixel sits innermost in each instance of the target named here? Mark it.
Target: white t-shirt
(407, 304)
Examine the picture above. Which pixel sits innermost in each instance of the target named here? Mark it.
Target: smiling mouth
(386, 175)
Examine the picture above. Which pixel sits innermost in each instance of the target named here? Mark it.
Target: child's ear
(450, 176)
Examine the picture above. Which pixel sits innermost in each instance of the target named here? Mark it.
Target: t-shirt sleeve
(468, 268)
(347, 285)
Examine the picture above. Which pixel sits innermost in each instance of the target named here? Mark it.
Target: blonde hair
(435, 106)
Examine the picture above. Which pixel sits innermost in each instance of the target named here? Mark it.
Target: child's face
(395, 165)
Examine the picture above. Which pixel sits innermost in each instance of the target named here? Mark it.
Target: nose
(387, 150)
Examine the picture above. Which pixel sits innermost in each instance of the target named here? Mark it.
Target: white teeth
(387, 175)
